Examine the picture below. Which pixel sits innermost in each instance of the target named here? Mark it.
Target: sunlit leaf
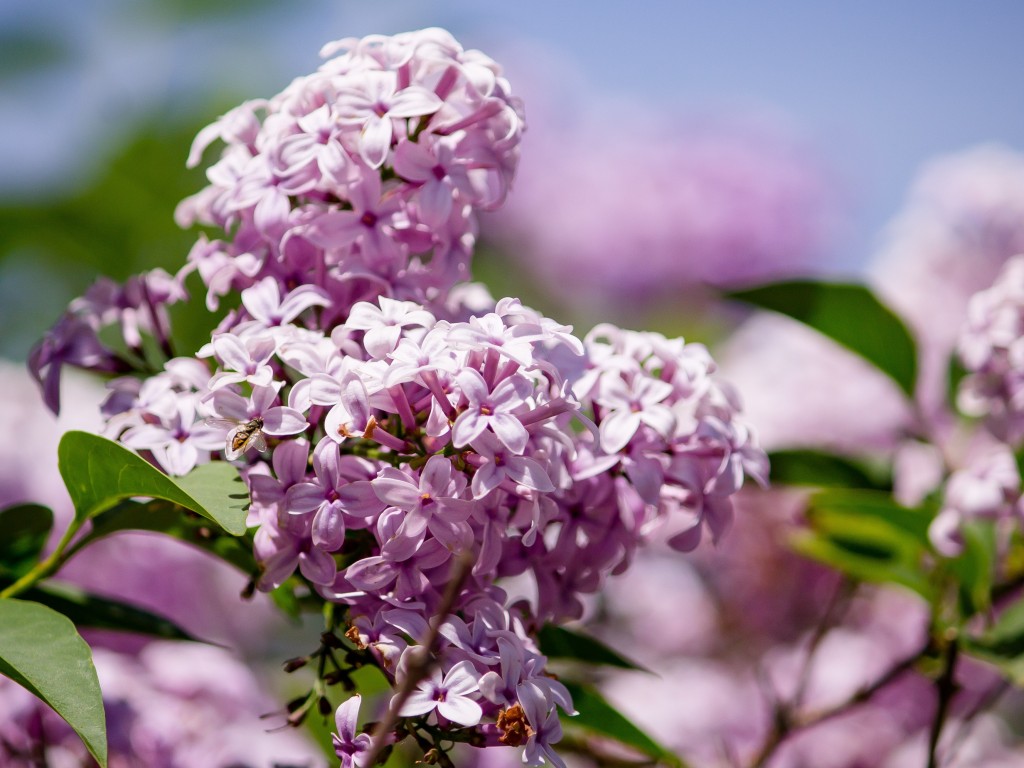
(99, 473)
(849, 314)
(41, 651)
(598, 717)
(561, 643)
(868, 536)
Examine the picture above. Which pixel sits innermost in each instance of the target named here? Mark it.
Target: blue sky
(878, 88)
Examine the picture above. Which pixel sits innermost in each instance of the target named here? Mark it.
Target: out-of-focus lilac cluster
(171, 706)
(991, 348)
(677, 206)
(412, 422)
(963, 219)
(139, 306)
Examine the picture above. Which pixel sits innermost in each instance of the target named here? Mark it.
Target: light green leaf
(835, 502)
(23, 533)
(598, 717)
(99, 473)
(41, 651)
(1003, 643)
(867, 535)
(974, 568)
(849, 314)
(561, 643)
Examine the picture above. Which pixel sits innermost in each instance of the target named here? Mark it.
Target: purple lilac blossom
(406, 423)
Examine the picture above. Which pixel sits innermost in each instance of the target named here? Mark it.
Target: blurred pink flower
(175, 705)
(671, 205)
(802, 390)
(964, 217)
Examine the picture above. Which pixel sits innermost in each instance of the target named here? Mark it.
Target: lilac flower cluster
(412, 423)
(991, 347)
(140, 305)
(362, 178)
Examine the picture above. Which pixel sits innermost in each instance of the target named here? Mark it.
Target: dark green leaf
(96, 612)
(561, 643)
(598, 717)
(41, 651)
(849, 314)
(954, 375)
(172, 520)
(26, 50)
(805, 467)
(285, 599)
(99, 473)
(23, 533)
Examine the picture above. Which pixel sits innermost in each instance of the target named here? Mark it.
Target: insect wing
(236, 443)
(257, 441)
(221, 423)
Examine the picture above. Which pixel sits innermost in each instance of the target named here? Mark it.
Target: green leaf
(868, 536)
(805, 467)
(99, 473)
(974, 568)
(41, 651)
(561, 643)
(849, 314)
(171, 520)
(955, 374)
(597, 716)
(913, 521)
(94, 612)
(1003, 643)
(24, 530)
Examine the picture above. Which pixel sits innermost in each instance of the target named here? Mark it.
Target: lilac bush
(445, 473)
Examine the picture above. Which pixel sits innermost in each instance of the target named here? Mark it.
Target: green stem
(46, 567)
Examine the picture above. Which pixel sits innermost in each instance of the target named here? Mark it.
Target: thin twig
(786, 724)
(421, 663)
(834, 610)
(984, 703)
(946, 687)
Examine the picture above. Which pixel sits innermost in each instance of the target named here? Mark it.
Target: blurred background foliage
(99, 101)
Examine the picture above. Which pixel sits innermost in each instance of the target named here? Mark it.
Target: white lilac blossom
(409, 428)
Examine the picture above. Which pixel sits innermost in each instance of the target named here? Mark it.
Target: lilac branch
(422, 663)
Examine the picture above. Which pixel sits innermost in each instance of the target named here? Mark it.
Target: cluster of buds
(391, 425)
